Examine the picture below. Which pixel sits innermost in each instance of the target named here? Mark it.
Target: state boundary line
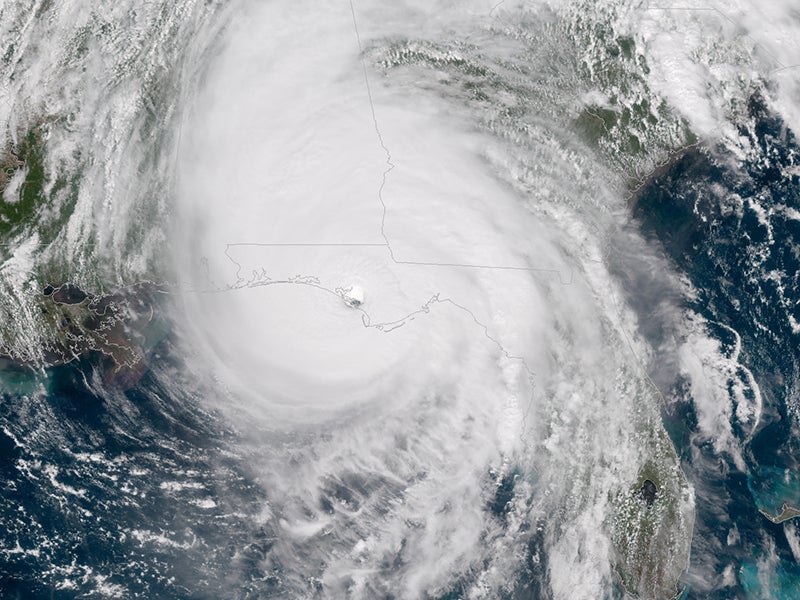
(390, 167)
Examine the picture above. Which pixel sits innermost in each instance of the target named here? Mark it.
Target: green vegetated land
(648, 525)
(69, 323)
(32, 200)
(121, 328)
(23, 160)
(634, 129)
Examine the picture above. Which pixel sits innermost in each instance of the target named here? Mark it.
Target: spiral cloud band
(421, 300)
(419, 309)
(305, 180)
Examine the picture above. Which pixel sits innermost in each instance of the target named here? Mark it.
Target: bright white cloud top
(426, 307)
(395, 235)
(318, 181)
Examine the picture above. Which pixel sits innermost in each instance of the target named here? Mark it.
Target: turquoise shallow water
(761, 583)
(773, 486)
(138, 492)
(744, 263)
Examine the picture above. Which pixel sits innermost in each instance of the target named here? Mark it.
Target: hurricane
(356, 299)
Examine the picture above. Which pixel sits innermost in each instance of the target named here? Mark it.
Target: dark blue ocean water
(727, 224)
(128, 492)
(139, 492)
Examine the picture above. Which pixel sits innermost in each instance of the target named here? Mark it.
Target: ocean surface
(572, 369)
